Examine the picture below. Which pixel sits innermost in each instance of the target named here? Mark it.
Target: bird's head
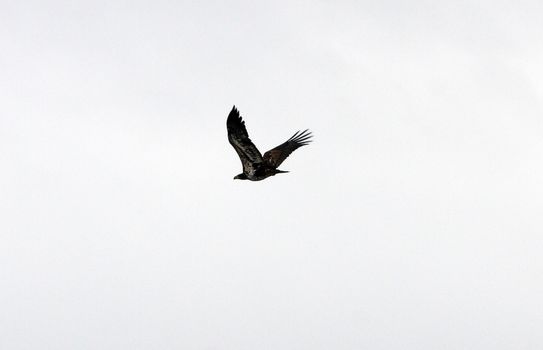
(241, 176)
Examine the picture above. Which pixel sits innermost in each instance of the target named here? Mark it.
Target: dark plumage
(255, 166)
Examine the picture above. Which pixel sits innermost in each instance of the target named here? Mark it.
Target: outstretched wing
(276, 156)
(250, 156)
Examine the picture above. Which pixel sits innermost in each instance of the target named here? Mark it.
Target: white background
(412, 222)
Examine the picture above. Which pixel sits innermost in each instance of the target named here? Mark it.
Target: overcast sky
(414, 220)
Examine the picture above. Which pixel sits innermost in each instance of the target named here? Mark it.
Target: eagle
(255, 166)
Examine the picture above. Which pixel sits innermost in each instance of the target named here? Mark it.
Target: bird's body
(255, 166)
(260, 174)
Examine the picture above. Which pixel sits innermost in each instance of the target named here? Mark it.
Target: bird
(255, 166)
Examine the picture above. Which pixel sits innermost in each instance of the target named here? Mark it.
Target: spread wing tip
(302, 138)
(234, 111)
(234, 118)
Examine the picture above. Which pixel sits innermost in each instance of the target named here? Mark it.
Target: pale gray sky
(414, 221)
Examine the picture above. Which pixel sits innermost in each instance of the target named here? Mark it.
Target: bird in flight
(255, 166)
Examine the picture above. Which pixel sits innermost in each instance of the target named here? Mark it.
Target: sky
(413, 221)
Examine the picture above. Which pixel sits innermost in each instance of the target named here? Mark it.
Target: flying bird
(255, 166)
